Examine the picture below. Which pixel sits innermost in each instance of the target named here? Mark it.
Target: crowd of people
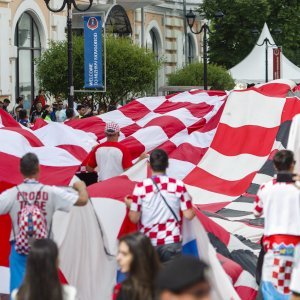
(148, 278)
(145, 256)
(184, 278)
(151, 259)
(56, 111)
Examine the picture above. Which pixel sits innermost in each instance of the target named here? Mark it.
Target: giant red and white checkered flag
(253, 125)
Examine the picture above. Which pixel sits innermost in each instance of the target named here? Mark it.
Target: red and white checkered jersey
(295, 282)
(279, 202)
(157, 221)
(112, 158)
(279, 263)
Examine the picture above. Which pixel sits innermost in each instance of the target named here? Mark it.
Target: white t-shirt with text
(47, 198)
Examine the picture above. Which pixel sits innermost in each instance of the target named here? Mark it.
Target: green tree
(192, 75)
(130, 69)
(286, 16)
(232, 39)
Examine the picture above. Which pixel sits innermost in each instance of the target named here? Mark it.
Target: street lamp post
(70, 44)
(190, 17)
(267, 42)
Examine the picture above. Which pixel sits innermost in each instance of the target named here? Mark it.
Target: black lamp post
(70, 48)
(190, 17)
(267, 42)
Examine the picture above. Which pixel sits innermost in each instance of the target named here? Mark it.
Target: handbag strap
(170, 208)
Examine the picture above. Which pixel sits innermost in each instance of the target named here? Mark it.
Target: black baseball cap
(181, 274)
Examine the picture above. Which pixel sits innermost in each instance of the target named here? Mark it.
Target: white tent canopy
(252, 69)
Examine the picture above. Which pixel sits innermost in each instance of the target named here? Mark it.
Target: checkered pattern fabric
(157, 220)
(112, 127)
(221, 152)
(32, 226)
(281, 275)
(163, 233)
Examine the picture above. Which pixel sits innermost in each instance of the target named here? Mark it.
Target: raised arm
(134, 216)
(83, 195)
(186, 205)
(6, 203)
(91, 161)
(189, 213)
(258, 207)
(142, 156)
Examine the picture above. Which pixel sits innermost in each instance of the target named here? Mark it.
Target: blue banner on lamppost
(93, 68)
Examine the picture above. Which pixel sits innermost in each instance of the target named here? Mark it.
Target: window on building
(27, 39)
(191, 49)
(117, 21)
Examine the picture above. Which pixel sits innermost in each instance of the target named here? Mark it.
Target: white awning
(253, 68)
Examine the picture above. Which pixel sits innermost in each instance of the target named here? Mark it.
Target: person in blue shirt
(53, 112)
(23, 118)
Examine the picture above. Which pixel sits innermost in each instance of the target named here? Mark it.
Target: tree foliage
(192, 75)
(232, 39)
(131, 70)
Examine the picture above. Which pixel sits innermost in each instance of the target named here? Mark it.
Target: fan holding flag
(30, 202)
(279, 200)
(111, 158)
(157, 203)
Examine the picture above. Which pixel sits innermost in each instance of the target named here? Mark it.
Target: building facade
(27, 26)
